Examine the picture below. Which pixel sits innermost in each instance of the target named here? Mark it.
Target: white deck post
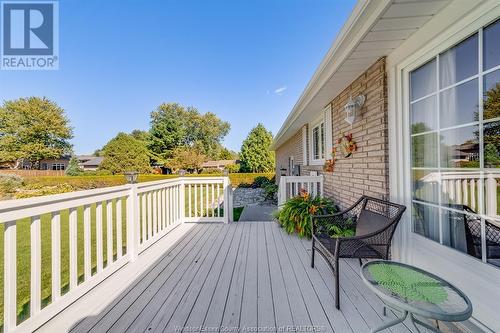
(182, 201)
(133, 223)
(282, 191)
(227, 198)
(491, 195)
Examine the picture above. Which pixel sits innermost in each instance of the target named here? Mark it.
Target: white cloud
(280, 90)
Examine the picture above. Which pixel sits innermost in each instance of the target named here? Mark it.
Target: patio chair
(375, 221)
(472, 227)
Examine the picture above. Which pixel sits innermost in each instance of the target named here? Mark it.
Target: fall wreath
(347, 145)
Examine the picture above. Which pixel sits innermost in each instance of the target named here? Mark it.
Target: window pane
(491, 142)
(315, 143)
(491, 106)
(459, 62)
(423, 80)
(426, 221)
(460, 148)
(491, 45)
(460, 190)
(459, 105)
(462, 232)
(424, 115)
(424, 150)
(425, 185)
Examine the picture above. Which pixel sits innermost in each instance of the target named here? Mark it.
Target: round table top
(417, 291)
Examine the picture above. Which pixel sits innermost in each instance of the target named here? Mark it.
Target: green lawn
(24, 256)
(237, 213)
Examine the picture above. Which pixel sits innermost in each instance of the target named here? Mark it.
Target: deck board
(239, 276)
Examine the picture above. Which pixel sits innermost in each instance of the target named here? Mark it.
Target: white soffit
(397, 21)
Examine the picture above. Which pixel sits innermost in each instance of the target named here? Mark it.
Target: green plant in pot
(295, 215)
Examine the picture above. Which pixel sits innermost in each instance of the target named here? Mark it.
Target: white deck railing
(290, 186)
(123, 221)
(465, 188)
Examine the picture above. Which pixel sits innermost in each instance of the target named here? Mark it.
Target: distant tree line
(179, 137)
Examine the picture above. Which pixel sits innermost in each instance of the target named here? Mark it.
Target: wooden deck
(236, 278)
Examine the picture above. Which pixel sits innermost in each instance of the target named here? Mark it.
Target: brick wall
(292, 147)
(366, 172)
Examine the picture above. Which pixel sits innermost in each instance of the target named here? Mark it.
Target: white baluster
(473, 194)
(87, 260)
(36, 267)
(119, 241)
(155, 212)
(10, 276)
(491, 195)
(195, 200)
(73, 248)
(465, 192)
(144, 208)
(55, 228)
(98, 228)
(109, 232)
(150, 215)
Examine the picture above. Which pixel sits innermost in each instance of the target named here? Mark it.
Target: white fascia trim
(364, 15)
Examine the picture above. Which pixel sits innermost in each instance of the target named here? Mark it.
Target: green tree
(256, 155)
(185, 157)
(125, 153)
(73, 167)
(173, 126)
(226, 154)
(33, 129)
(491, 156)
(140, 135)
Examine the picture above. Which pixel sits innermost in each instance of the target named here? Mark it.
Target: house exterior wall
(291, 148)
(366, 172)
(62, 164)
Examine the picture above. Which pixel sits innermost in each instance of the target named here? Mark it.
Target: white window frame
(304, 146)
(312, 126)
(479, 77)
(409, 247)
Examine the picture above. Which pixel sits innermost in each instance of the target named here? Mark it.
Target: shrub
(271, 191)
(247, 179)
(296, 213)
(261, 181)
(97, 173)
(233, 168)
(125, 153)
(73, 167)
(37, 191)
(211, 171)
(9, 184)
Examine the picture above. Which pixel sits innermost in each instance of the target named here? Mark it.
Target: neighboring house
(91, 164)
(84, 158)
(54, 164)
(220, 164)
(423, 68)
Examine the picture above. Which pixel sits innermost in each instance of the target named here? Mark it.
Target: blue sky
(246, 61)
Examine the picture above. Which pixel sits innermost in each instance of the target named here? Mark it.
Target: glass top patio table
(416, 291)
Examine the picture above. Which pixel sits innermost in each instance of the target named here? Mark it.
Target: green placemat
(407, 283)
